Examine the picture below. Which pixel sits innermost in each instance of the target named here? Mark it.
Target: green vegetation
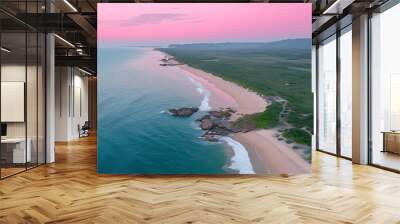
(298, 135)
(226, 113)
(302, 120)
(267, 119)
(272, 69)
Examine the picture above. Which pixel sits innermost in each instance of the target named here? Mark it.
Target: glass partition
(22, 89)
(15, 151)
(31, 99)
(327, 95)
(385, 89)
(346, 92)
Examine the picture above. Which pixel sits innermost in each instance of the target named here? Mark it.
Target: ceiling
(75, 21)
(332, 15)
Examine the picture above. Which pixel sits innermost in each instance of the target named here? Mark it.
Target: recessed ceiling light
(337, 7)
(333, 6)
(70, 5)
(64, 40)
(5, 50)
(84, 71)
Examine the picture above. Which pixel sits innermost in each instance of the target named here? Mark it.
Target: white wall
(17, 73)
(80, 104)
(71, 102)
(33, 127)
(62, 82)
(13, 101)
(9, 73)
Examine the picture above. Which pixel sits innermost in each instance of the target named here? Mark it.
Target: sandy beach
(268, 155)
(247, 102)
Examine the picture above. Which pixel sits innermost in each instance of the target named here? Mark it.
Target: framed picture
(187, 89)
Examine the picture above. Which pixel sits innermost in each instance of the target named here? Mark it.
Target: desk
(391, 141)
(19, 155)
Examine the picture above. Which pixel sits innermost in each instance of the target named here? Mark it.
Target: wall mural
(204, 88)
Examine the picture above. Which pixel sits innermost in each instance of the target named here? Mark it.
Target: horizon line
(225, 42)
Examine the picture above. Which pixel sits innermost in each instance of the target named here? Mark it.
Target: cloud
(157, 18)
(150, 18)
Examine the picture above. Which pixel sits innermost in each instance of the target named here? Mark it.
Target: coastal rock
(222, 131)
(216, 123)
(217, 114)
(221, 123)
(222, 114)
(211, 135)
(206, 124)
(230, 110)
(183, 112)
(210, 138)
(203, 117)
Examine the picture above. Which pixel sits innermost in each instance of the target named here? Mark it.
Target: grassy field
(298, 135)
(267, 119)
(272, 69)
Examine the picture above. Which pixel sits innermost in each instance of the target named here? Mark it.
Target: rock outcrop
(222, 114)
(206, 123)
(216, 123)
(183, 112)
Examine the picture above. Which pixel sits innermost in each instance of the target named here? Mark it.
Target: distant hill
(281, 44)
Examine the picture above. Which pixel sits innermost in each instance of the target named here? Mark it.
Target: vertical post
(26, 88)
(314, 92)
(0, 97)
(369, 126)
(37, 90)
(50, 92)
(316, 97)
(338, 81)
(360, 89)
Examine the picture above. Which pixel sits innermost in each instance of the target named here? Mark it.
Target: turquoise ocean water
(135, 135)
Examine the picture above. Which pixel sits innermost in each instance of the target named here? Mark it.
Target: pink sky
(162, 23)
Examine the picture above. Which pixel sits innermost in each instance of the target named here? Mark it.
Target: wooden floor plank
(70, 191)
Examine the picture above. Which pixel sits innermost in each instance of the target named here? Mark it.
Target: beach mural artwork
(204, 88)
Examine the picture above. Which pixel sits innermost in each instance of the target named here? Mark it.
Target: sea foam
(240, 161)
(204, 106)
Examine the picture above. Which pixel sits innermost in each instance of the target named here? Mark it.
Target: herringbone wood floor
(70, 191)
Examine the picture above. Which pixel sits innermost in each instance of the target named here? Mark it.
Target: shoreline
(279, 159)
(247, 101)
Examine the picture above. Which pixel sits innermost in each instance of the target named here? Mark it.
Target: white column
(63, 100)
(314, 91)
(50, 92)
(50, 99)
(360, 90)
